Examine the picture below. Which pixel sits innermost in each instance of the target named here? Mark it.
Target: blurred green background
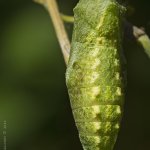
(33, 96)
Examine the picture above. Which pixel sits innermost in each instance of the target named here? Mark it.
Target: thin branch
(61, 33)
(66, 18)
(134, 33)
(145, 41)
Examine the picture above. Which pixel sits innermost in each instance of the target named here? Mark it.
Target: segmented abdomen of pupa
(93, 76)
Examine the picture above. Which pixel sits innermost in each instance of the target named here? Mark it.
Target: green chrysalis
(93, 76)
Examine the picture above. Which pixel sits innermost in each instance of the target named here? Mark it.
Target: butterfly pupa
(94, 72)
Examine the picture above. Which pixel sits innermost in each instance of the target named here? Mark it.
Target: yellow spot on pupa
(95, 52)
(115, 51)
(96, 63)
(96, 110)
(97, 139)
(118, 110)
(118, 91)
(95, 90)
(117, 75)
(96, 125)
(117, 126)
(116, 62)
(101, 21)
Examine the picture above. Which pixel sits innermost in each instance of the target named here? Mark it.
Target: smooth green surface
(94, 77)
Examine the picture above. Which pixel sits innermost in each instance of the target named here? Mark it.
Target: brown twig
(61, 33)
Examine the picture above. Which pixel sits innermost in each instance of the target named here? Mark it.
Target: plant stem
(142, 38)
(66, 18)
(145, 42)
(61, 33)
(134, 33)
